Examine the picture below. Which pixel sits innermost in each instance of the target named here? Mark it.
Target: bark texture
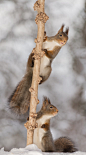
(40, 20)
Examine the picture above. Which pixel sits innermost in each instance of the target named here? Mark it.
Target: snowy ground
(33, 150)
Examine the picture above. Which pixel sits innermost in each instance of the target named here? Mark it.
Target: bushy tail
(20, 98)
(64, 144)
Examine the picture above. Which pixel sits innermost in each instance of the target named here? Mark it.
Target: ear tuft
(62, 26)
(46, 101)
(44, 98)
(49, 101)
(67, 30)
(61, 29)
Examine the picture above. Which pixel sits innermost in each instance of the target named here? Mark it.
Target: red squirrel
(42, 135)
(20, 98)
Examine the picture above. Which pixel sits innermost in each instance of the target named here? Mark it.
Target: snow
(33, 150)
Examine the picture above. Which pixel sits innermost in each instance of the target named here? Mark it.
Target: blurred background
(66, 86)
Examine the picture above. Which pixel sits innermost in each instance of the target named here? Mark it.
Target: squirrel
(42, 135)
(20, 98)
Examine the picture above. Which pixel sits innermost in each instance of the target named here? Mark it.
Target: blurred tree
(66, 87)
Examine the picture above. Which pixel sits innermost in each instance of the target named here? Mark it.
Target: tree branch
(40, 20)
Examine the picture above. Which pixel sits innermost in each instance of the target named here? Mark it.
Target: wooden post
(40, 20)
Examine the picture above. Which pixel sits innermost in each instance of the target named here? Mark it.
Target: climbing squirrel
(42, 135)
(20, 98)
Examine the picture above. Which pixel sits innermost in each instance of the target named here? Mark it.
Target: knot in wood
(33, 51)
(37, 101)
(26, 124)
(34, 115)
(41, 17)
(39, 79)
(36, 5)
(32, 90)
(29, 126)
(37, 56)
(35, 40)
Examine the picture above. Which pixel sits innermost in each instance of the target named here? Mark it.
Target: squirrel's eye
(51, 107)
(61, 35)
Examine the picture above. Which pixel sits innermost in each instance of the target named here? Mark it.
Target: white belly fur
(49, 45)
(40, 132)
(37, 138)
(45, 66)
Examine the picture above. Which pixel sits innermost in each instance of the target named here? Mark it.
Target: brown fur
(61, 37)
(20, 99)
(44, 39)
(47, 139)
(62, 144)
(46, 126)
(47, 108)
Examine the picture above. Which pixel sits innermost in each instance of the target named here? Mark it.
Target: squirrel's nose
(57, 110)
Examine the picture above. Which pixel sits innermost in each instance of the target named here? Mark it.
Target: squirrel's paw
(36, 125)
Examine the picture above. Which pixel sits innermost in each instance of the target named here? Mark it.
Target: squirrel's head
(48, 108)
(61, 36)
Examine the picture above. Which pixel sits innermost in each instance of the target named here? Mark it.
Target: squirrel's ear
(46, 102)
(67, 30)
(61, 29)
